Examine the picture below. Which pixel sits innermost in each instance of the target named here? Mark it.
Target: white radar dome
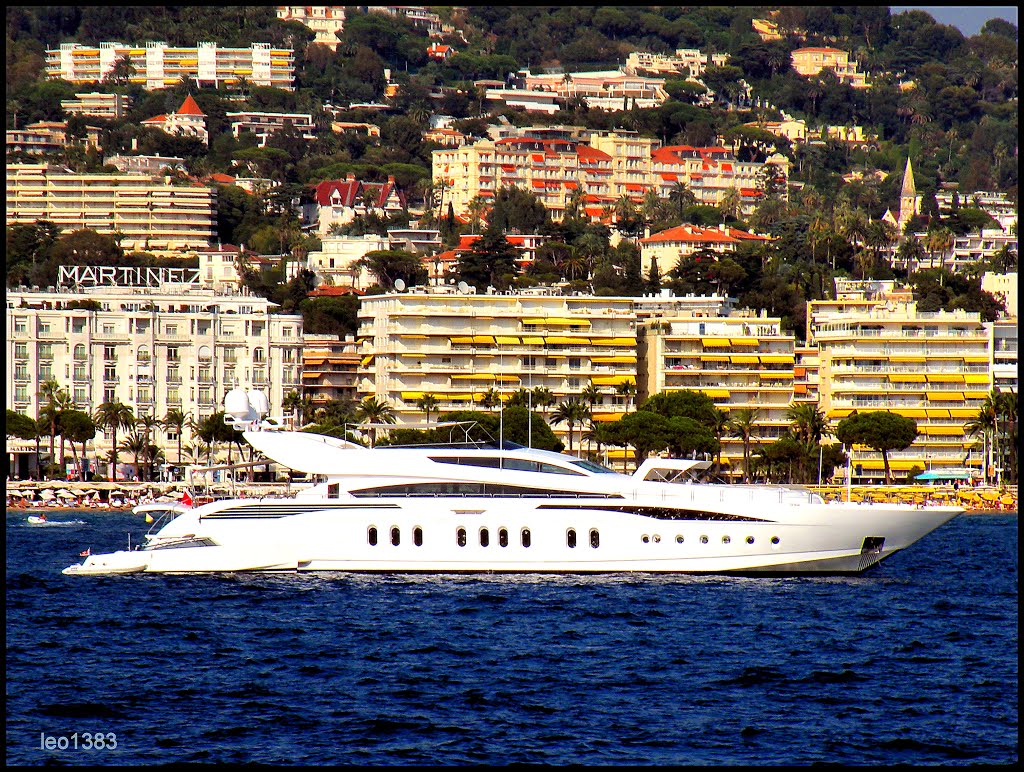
(236, 405)
(259, 402)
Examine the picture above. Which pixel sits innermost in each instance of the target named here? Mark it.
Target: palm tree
(571, 411)
(628, 390)
(177, 420)
(719, 425)
(938, 241)
(293, 402)
(114, 415)
(743, 424)
(984, 423)
(591, 394)
(135, 444)
(51, 397)
(809, 425)
(148, 422)
(373, 411)
(490, 399)
(427, 403)
(543, 398)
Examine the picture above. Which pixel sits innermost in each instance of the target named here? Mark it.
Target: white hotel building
(154, 349)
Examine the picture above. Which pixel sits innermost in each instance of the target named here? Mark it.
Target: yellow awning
(716, 392)
(474, 377)
(744, 359)
(463, 339)
(719, 342)
(905, 358)
(906, 378)
(976, 358)
(483, 339)
(776, 359)
(605, 416)
(840, 412)
(620, 359)
(561, 340)
(411, 335)
(412, 395)
(976, 378)
(910, 412)
(937, 412)
(775, 373)
(614, 341)
(714, 357)
(612, 380)
(533, 340)
(949, 431)
(945, 396)
(506, 340)
(313, 362)
(366, 360)
(507, 378)
(945, 378)
(312, 375)
(744, 341)
(558, 321)
(962, 412)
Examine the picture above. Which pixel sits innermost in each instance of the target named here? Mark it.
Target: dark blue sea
(914, 663)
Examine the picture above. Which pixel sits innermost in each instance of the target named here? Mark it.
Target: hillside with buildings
(394, 213)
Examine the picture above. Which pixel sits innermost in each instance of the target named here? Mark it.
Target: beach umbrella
(46, 494)
(65, 494)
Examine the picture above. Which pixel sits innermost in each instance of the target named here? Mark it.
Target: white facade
(154, 349)
(335, 263)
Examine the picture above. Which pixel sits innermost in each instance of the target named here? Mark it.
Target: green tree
(881, 431)
(490, 261)
(374, 411)
(177, 420)
(427, 403)
(77, 426)
(135, 444)
(114, 415)
(743, 424)
(571, 411)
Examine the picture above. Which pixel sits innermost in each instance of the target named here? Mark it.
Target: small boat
(37, 519)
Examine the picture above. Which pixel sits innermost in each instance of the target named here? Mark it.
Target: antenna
(463, 288)
(399, 285)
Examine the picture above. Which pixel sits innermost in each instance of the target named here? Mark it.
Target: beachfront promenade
(56, 494)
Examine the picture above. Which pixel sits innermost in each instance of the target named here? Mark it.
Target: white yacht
(505, 508)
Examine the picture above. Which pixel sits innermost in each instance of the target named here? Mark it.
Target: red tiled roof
(329, 290)
(156, 119)
(226, 179)
(591, 154)
(693, 233)
(349, 193)
(189, 107)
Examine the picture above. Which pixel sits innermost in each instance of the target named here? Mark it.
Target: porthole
(570, 538)
(645, 539)
(371, 536)
(595, 538)
(703, 539)
(396, 536)
(726, 540)
(460, 537)
(750, 540)
(657, 538)
(775, 541)
(485, 537)
(502, 537)
(679, 539)
(525, 537)
(417, 536)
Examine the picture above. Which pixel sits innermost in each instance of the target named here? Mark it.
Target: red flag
(87, 553)
(186, 500)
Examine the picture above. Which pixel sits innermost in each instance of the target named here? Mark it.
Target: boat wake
(55, 523)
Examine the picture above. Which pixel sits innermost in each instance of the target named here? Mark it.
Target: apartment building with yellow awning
(933, 367)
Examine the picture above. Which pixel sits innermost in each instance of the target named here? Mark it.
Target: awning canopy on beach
(946, 474)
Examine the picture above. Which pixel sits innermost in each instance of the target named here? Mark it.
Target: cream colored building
(686, 61)
(147, 213)
(325, 20)
(744, 360)
(336, 262)
(459, 346)
(158, 65)
(1004, 362)
(175, 346)
(111, 107)
(669, 246)
(605, 167)
(1004, 287)
(811, 61)
(932, 367)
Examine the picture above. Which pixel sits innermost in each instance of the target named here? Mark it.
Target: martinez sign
(125, 276)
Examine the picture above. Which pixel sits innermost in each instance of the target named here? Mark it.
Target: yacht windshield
(591, 466)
